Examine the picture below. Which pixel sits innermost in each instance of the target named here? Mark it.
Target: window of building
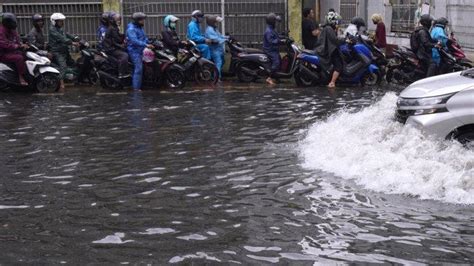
(404, 15)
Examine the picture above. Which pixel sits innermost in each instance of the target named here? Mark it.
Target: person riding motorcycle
(194, 34)
(59, 42)
(357, 26)
(169, 35)
(35, 36)
(10, 46)
(328, 47)
(114, 44)
(438, 33)
(271, 44)
(137, 41)
(102, 29)
(218, 42)
(422, 44)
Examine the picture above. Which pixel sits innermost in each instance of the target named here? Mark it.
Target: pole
(223, 16)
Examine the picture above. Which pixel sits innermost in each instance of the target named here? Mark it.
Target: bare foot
(23, 81)
(270, 81)
(331, 85)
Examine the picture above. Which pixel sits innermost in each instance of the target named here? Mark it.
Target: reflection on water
(202, 177)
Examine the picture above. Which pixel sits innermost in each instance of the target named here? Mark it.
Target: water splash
(383, 155)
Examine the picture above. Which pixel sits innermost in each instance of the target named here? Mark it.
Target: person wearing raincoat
(194, 34)
(218, 42)
(137, 41)
(438, 33)
(169, 35)
(271, 44)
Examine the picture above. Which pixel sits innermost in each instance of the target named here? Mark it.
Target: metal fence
(403, 15)
(82, 17)
(348, 10)
(244, 19)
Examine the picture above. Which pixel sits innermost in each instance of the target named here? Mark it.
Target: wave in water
(383, 155)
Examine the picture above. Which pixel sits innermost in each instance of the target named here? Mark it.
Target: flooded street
(247, 176)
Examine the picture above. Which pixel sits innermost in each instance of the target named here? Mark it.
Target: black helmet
(37, 18)
(111, 17)
(104, 18)
(443, 22)
(426, 20)
(359, 22)
(9, 21)
(137, 16)
(272, 19)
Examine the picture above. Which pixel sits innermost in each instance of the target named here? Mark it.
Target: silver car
(442, 106)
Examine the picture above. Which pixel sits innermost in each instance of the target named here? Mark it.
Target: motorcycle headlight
(426, 105)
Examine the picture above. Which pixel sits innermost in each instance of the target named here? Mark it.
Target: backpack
(414, 43)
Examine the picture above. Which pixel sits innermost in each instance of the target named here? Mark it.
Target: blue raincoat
(271, 46)
(438, 34)
(101, 30)
(194, 34)
(217, 49)
(136, 43)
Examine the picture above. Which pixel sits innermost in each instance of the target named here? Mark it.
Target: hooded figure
(10, 46)
(170, 36)
(194, 34)
(114, 44)
(218, 42)
(137, 41)
(35, 36)
(438, 33)
(424, 44)
(271, 43)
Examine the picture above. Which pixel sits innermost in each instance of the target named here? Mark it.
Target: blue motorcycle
(359, 66)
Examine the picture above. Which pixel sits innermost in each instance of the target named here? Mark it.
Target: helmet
(426, 20)
(213, 19)
(137, 16)
(104, 18)
(272, 19)
(443, 22)
(148, 55)
(170, 21)
(112, 18)
(359, 22)
(333, 18)
(57, 16)
(37, 18)
(9, 21)
(197, 14)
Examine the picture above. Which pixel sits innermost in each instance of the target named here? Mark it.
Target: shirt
(380, 36)
(271, 40)
(308, 26)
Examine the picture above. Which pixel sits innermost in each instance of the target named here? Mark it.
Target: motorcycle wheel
(206, 74)
(372, 79)
(174, 78)
(242, 75)
(302, 80)
(110, 84)
(47, 83)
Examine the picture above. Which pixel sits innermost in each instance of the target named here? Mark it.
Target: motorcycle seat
(310, 52)
(252, 51)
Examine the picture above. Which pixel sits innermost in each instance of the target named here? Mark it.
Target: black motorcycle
(163, 69)
(107, 72)
(197, 68)
(252, 65)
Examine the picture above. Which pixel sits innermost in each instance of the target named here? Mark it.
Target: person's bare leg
(22, 80)
(335, 76)
(61, 86)
(270, 81)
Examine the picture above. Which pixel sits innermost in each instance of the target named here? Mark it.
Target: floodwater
(252, 176)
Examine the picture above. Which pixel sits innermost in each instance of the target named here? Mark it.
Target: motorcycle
(83, 70)
(252, 64)
(456, 50)
(406, 67)
(236, 48)
(197, 68)
(107, 73)
(160, 67)
(41, 76)
(359, 66)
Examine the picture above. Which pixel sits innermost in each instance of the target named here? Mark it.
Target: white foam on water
(112, 239)
(198, 255)
(385, 156)
(157, 231)
(3, 207)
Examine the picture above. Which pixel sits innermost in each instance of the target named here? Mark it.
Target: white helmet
(57, 16)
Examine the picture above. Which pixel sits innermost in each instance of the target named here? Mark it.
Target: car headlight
(426, 105)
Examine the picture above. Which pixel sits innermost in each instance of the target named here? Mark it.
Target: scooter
(197, 68)
(107, 73)
(40, 75)
(160, 67)
(236, 48)
(456, 50)
(84, 70)
(359, 66)
(251, 66)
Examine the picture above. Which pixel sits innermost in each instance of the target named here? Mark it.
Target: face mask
(172, 25)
